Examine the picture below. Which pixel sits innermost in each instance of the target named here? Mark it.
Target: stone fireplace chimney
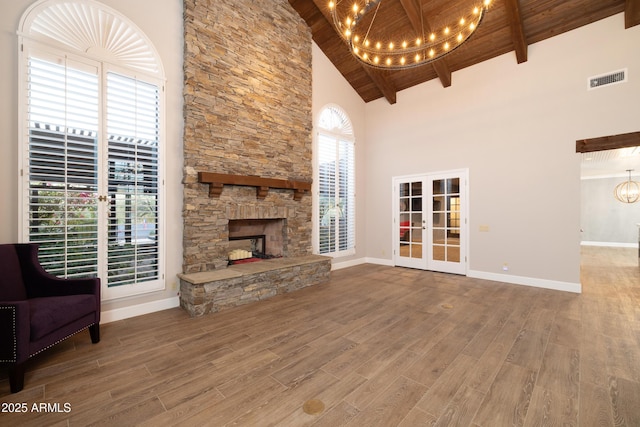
(247, 112)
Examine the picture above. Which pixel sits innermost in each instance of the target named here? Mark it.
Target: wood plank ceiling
(509, 26)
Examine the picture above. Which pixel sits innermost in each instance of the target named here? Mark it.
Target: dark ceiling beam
(517, 31)
(412, 9)
(328, 39)
(612, 142)
(631, 13)
(382, 81)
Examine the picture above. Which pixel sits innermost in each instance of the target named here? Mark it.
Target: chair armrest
(39, 283)
(14, 331)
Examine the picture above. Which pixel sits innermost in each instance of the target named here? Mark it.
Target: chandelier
(371, 46)
(627, 191)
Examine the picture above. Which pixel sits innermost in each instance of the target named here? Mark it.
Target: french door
(429, 223)
(92, 198)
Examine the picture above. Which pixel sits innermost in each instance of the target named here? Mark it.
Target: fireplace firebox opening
(256, 239)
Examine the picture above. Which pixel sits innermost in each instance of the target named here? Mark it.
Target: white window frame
(33, 38)
(339, 132)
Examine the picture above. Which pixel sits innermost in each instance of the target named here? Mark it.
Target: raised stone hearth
(212, 291)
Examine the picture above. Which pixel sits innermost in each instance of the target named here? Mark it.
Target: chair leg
(16, 377)
(94, 331)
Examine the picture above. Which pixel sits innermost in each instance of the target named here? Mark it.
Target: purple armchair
(38, 310)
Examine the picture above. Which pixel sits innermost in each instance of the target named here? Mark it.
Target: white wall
(163, 26)
(605, 220)
(514, 126)
(329, 87)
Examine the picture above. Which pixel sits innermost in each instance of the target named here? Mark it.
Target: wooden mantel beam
(217, 181)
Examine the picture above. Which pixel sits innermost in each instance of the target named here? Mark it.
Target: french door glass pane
(404, 189)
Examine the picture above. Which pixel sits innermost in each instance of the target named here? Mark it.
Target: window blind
(62, 156)
(133, 137)
(336, 194)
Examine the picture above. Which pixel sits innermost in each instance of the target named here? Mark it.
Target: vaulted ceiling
(508, 26)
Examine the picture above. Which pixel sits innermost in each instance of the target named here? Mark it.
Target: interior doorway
(605, 162)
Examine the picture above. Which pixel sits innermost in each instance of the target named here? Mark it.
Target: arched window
(92, 130)
(335, 177)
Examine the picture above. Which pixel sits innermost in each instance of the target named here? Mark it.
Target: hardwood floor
(376, 346)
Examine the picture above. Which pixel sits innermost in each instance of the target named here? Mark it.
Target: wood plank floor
(376, 346)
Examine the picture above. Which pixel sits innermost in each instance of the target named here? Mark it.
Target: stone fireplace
(246, 115)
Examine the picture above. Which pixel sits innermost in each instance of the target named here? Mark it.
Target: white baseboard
(139, 309)
(366, 260)
(379, 261)
(610, 244)
(527, 281)
(346, 264)
(505, 278)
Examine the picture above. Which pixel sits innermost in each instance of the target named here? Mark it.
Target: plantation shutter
(62, 111)
(347, 200)
(336, 194)
(327, 194)
(133, 137)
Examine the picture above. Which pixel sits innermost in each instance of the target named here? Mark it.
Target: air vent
(608, 79)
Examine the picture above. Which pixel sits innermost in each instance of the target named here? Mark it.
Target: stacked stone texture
(247, 111)
(215, 295)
